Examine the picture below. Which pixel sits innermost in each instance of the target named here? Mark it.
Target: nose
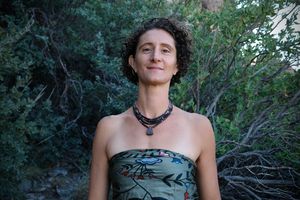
(156, 56)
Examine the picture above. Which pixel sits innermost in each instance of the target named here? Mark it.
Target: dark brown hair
(183, 43)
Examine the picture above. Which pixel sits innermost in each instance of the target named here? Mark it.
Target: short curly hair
(183, 43)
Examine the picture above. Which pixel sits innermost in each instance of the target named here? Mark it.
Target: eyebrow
(161, 44)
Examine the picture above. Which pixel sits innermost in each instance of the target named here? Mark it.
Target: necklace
(151, 123)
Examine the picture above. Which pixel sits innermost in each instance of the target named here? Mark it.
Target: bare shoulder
(200, 124)
(109, 125)
(196, 120)
(196, 117)
(201, 121)
(106, 123)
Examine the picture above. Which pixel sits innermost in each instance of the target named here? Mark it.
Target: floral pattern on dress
(152, 174)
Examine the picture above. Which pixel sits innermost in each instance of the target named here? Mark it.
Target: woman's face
(155, 58)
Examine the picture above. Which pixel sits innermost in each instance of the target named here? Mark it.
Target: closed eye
(146, 50)
(165, 50)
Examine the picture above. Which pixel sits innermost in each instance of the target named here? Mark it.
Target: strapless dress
(156, 174)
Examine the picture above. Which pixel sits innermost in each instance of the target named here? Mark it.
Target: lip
(155, 68)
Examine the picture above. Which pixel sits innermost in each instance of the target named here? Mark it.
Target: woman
(155, 150)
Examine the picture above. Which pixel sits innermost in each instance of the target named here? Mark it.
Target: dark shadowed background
(59, 75)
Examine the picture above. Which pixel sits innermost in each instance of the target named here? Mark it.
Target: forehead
(156, 36)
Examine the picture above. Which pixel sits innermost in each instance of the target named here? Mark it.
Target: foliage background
(60, 75)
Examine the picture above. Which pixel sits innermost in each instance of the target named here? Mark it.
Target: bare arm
(206, 164)
(99, 184)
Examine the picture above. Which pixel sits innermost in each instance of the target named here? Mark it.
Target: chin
(156, 82)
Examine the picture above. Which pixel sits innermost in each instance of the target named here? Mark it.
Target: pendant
(149, 131)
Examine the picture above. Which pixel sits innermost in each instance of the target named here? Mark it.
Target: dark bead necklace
(151, 123)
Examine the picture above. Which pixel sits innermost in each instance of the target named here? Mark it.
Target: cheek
(139, 61)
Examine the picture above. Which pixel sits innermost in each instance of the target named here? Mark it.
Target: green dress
(156, 174)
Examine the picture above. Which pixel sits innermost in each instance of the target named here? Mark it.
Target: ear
(131, 62)
(175, 70)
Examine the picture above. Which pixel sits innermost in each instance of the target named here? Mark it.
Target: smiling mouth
(154, 68)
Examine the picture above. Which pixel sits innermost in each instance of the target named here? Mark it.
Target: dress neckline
(152, 149)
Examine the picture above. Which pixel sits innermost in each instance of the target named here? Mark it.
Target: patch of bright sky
(292, 9)
(279, 24)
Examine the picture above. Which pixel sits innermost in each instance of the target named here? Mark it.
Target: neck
(153, 101)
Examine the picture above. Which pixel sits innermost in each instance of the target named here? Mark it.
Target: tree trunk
(212, 5)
